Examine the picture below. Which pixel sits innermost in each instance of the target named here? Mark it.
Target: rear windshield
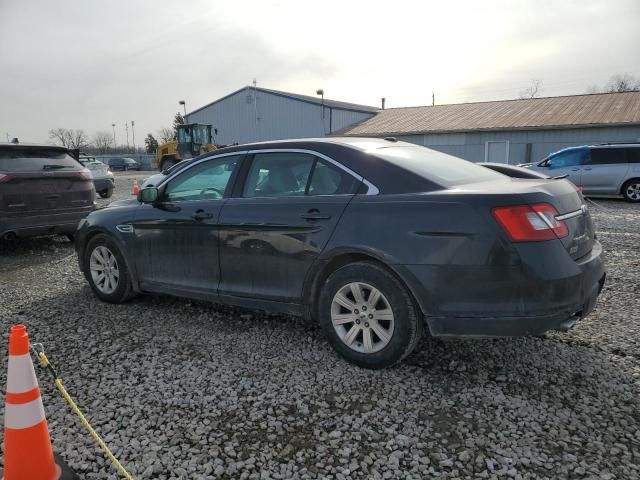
(33, 160)
(437, 167)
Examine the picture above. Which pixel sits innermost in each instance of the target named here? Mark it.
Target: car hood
(123, 203)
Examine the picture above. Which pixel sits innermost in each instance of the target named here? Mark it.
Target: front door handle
(201, 215)
(575, 169)
(314, 214)
(587, 168)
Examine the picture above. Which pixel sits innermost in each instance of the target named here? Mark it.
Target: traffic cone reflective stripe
(27, 446)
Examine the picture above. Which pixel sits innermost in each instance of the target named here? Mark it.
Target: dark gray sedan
(377, 240)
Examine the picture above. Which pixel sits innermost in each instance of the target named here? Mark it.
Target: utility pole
(126, 127)
(113, 125)
(133, 136)
(433, 99)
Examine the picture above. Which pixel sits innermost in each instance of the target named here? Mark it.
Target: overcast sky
(88, 64)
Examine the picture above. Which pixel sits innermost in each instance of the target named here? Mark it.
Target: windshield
(435, 166)
(36, 159)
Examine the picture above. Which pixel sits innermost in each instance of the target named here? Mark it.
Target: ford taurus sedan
(377, 240)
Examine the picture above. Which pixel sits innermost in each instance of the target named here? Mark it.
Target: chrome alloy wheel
(633, 191)
(104, 270)
(362, 317)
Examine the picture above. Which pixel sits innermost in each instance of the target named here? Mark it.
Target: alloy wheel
(104, 269)
(362, 317)
(633, 191)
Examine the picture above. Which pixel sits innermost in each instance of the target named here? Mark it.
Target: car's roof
(32, 146)
(362, 155)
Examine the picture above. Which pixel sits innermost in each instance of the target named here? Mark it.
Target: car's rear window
(33, 160)
(438, 167)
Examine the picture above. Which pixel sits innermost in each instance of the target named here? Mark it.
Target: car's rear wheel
(106, 270)
(368, 315)
(631, 190)
(105, 193)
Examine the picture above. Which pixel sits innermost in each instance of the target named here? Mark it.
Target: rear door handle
(201, 215)
(314, 214)
(587, 168)
(575, 169)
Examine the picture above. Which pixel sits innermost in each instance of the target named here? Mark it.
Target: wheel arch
(341, 257)
(130, 266)
(624, 184)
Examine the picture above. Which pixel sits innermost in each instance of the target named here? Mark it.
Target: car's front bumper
(511, 301)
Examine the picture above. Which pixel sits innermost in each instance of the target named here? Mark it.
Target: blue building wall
(473, 146)
(254, 115)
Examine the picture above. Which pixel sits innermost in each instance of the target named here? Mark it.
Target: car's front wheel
(368, 315)
(631, 190)
(106, 270)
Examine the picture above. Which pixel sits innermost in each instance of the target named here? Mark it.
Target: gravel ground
(187, 390)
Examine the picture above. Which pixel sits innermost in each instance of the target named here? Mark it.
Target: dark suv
(122, 163)
(43, 189)
(607, 169)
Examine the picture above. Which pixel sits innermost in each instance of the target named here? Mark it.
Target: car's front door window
(207, 181)
(567, 159)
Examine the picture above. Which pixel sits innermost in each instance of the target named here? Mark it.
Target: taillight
(530, 223)
(4, 178)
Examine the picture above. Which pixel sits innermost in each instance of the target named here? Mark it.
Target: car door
(176, 239)
(566, 162)
(605, 170)
(278, 223)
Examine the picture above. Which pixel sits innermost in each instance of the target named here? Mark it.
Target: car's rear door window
(34, 160)
(279, 174)
(327, 179)
(608, 156)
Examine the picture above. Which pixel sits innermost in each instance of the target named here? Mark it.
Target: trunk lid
(562, 194)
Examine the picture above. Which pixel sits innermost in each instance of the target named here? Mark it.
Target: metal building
(254, 114)
(511, 131)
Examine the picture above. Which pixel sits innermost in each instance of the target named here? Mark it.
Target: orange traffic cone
(136, 188)
(27, 447)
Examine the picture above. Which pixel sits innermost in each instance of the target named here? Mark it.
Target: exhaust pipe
(569, 323)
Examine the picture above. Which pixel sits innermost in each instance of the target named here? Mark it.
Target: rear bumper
(43, 223)
(513, 300)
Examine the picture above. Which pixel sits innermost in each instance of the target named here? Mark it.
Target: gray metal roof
(302, 98)
(605, 109)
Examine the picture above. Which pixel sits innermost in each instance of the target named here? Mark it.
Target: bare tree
(623, 82)
(534, 90)
(60, 136)
(166, 135)
(69, 137)
(102, 142)
(78, 138)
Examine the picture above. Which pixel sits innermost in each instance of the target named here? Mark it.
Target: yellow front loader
(193, 140)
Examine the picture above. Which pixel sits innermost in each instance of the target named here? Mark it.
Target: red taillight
(530, 223)
(4, 178)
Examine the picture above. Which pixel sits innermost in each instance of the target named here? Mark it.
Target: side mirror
(148, 195)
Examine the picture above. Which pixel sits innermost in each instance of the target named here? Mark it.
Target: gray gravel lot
(188, 390)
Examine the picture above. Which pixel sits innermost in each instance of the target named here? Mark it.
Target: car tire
(105, 193)
(631, 190)
(107, 253)
(379, 335)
